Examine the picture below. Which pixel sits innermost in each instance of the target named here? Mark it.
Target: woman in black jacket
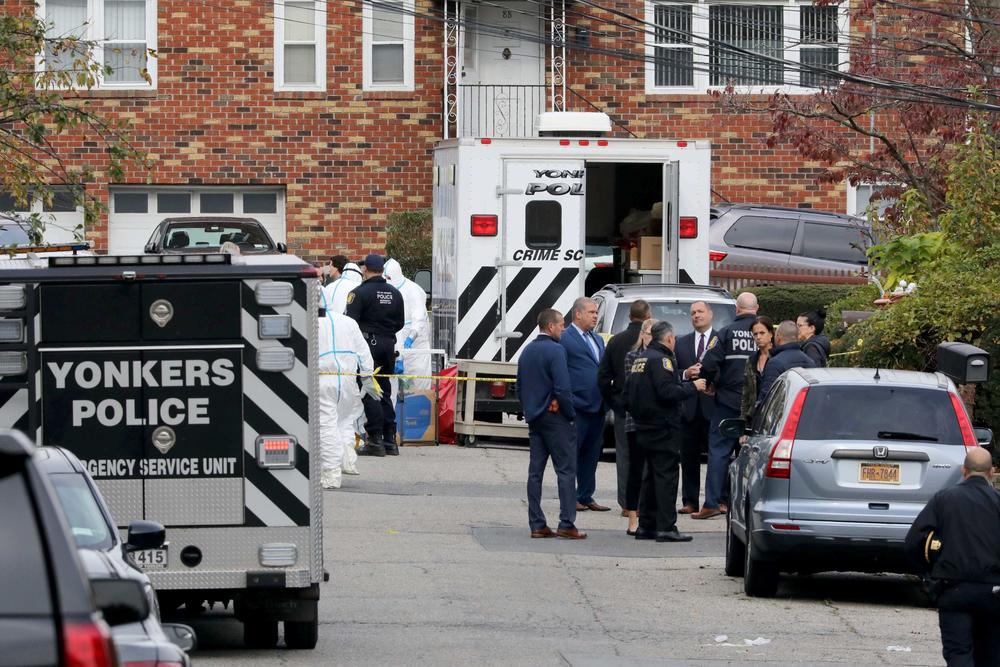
(636, 455)
(763, 334)
(814, 343)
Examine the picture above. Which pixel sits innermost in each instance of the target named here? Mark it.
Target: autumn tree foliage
(895, 113)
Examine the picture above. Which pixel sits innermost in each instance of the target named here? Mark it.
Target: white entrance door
(503, 70)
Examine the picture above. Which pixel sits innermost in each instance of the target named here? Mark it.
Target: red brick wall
(346, 157)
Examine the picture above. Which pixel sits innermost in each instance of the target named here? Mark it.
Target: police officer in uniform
(955, 541)
(377, 307)
(654, 394)
(723, 366)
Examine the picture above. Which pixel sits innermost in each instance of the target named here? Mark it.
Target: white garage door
(63, 219)
(135, 212)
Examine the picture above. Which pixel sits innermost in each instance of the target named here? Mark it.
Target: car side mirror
(181, 636)
(150, 248)
(984, 436)
(121, 601)
(145, 535)
(733, 428)
(282, 248)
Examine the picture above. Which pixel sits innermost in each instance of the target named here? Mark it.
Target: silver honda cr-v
(837, 465)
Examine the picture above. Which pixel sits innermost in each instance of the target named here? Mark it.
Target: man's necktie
(701, 345)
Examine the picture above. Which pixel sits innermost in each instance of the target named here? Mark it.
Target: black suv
(48, 613)
(794, 238)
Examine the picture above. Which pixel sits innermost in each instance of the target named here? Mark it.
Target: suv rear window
(678, 313)
(862, 412)
(840, 243)
(22, 559)
(759, 233)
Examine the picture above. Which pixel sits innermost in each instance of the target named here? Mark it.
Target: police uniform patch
(668, 364)
(350, 298)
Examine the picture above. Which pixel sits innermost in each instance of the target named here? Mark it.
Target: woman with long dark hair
(636, 455)
(763, 334)
(814, 343)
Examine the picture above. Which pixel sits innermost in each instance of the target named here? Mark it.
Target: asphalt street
(431, 564)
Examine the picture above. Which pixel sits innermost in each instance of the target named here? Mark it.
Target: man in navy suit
(584, 350)
(696, 411)
(543, 387)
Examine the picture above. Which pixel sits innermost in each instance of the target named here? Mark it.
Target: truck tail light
(717, 256)
(779, 464)
(498, 390)
(11, 331)
(484, 225)
(276, 451)
(13, 363)
(688, 227)
(88, 645)
(964, 424)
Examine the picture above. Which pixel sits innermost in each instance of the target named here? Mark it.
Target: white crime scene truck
(187, 385)
(521, 225)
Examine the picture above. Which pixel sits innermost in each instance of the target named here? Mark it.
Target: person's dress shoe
(571, 534)
(672, 536)
(706, 513)
(580, 507)
(391, 448)
(641, 534)
(631, 533)
(543, 532)
(372, 448)
(687, 509)
(597, 508)
(724, 508)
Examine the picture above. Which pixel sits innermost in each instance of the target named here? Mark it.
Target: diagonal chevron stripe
(299, 373)
(263, 508)
(277, 409)
(293, 479)
(14, 408)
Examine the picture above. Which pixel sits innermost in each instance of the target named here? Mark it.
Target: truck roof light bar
(12, 297)
(134, 260)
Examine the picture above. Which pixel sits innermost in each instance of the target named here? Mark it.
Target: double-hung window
(699, 45)
(388, 35)
(122, 33)
(300, 45)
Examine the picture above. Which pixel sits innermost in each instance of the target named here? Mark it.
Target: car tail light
(717, 256)
(688, 227)
(498, 389)
(604, 265)
(964, 423)
(88, 645)
(484, 225)
(779, 464)
(151, 663)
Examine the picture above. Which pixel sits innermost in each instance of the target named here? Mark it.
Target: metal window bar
(673, 53)
(500, 110)
(757, 28)
(818, 34)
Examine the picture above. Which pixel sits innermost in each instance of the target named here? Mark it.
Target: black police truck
(187, 386)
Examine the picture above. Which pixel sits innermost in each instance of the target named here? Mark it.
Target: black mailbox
(963, 363)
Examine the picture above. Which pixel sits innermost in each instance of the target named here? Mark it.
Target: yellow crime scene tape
(421, 377)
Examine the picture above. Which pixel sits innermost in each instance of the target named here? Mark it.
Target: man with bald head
(723, 366)
(584, 350)
(786, 353)
(955, 543)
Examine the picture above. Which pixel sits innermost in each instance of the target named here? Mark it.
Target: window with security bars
(701, 44)
(818, 49)
(673, 50)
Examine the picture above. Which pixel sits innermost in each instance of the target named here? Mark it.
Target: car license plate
(150, 558)
(880, 473)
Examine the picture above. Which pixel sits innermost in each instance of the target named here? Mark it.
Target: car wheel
(301, 634)
(760, 578)
(735, 551)
(260, 633)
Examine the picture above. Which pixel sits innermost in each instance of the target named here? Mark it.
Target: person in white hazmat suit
(346, 276)
(343, 354)
(415, 334)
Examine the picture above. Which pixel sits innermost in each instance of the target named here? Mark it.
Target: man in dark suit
(611, 380)
(697, 410)
(584, 350)
(543, 387)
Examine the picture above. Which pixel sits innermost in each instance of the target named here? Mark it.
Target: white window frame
(700, 30)
(94, 32)
(852, 197)
(368, 39)
(319, 39)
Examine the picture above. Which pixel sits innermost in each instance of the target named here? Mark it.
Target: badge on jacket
(350, 297)
(668, 364)
(712, 343)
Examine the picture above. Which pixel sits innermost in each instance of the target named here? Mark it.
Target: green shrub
(409, 239)
(859, 297)
(786, 302)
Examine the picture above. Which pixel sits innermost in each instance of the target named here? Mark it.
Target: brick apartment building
(319, 118)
